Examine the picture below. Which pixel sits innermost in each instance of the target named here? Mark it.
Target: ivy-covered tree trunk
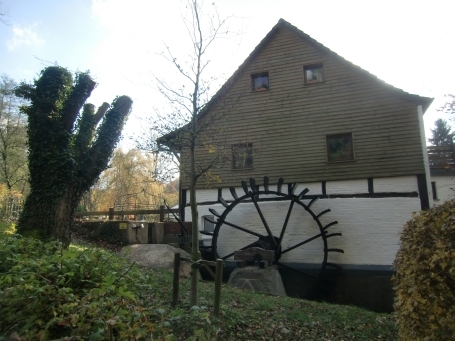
(65, 158)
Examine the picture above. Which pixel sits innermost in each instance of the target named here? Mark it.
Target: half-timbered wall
(370, 222)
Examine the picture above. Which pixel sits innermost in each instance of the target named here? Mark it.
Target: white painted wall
(370, 228)
(203, 195)
(347, 187)
(396, 184)
(445, 188)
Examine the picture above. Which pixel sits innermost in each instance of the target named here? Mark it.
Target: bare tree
(3, 15)
(192, 121)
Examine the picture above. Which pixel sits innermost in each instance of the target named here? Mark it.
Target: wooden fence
(111, 213)
(441, 156)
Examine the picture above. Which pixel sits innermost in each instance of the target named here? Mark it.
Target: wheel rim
(270, 236)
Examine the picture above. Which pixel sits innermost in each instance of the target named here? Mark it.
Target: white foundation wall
(445, 188)
(370, 226)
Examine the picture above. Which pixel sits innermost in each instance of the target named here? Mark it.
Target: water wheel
(274, 220)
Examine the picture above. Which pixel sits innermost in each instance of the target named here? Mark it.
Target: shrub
(7, 229)
(47, 292)
(425, 276)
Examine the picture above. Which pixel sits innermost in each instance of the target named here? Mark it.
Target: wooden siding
(289, 122)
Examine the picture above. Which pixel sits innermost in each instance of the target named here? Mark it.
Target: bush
(7, 229)
(425, 276)
(47, 293)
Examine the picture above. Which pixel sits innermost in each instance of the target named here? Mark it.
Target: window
(260, 81)
(313, 74)
(340, 147)
(242, 156)
(434, 190)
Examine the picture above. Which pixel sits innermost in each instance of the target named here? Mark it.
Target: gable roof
(424, 101)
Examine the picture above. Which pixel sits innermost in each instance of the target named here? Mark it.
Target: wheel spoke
(285, 225)
(269, 232)
(301, 243)
(243, 229)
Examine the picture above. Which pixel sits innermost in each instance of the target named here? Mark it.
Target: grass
(245, 315)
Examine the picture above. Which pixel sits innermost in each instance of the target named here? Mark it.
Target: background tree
(129, 181)
(13, 137)
(13, 148)
(449, 106)
(442, 133)
(64, 160)
(182, 127)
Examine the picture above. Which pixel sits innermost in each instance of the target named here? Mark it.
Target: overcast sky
(409, 44)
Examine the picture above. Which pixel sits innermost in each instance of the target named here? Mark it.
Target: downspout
(426, 162)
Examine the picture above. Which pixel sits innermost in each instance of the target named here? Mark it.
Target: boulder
(156, 256)
(267, 280)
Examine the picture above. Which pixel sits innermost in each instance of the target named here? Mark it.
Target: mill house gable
(304, 113)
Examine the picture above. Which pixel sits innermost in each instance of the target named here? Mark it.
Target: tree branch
(81, 91)
(108, 135)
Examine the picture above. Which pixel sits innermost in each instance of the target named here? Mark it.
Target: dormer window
(313, 73)
(260, 81)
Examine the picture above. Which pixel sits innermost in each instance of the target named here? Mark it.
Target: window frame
(234, 149)
(313, 66)
(339, 135)
(257, 75)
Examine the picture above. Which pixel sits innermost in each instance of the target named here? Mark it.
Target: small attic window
(260, 81)
(313, 73)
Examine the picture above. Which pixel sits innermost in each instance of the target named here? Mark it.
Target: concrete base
(136, 231)
(266, 280)
(156, 233)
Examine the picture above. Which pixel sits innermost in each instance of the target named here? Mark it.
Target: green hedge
(425, 276)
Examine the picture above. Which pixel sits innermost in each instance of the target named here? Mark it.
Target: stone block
(267, 280)
(157, 256)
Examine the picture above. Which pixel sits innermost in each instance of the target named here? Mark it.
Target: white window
(260, 81)
(313, 73)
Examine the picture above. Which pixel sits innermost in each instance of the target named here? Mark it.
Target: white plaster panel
(445, 188)
(203, 195)
(202, 211)
(370, 228)
(347, 186)
(395, 184)
(226, 193)
(314, 187)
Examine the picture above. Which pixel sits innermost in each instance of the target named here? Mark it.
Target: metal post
(161, 213)
(218, 281)
(175, 284)
(111, 213)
